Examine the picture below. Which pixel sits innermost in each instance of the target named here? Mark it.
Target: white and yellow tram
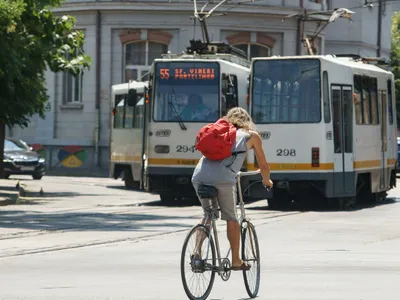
(185, 92)
(328, 125)
(126, 131)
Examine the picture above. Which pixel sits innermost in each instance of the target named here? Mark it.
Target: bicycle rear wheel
(198, 273)
(251, 255)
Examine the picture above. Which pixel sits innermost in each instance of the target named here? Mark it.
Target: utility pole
(379, 42)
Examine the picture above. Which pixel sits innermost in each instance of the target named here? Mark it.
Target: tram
(328, 125)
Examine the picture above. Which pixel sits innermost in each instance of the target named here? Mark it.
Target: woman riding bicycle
(222, 175)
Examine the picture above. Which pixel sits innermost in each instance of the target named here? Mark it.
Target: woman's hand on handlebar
(268, 183)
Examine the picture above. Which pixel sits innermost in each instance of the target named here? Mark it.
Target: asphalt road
(89, 238)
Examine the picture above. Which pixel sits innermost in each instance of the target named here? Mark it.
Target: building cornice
(164, 6)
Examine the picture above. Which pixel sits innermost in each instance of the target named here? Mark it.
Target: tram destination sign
(192, 72)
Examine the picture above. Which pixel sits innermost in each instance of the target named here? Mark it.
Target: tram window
(337, 121)
(358, 102)
(187, 91)
(390, 101)
(119, 111)
(366, 101)
(327, 106)
(128, 116)
(139, 112)
(286, 91)
(348, 121)
(373, 89)
(229, 92)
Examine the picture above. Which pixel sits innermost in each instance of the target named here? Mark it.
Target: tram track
(102, 222)
(135, 239)
(136, 208)
(55, 215)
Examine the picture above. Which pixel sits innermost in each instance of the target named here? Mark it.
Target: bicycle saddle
(207, 191)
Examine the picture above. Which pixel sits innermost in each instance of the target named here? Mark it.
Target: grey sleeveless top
(224, 171)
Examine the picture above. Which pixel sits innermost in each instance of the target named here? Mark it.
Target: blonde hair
(240, 118)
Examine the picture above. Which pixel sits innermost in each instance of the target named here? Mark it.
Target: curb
(20, 195)
(8, 201)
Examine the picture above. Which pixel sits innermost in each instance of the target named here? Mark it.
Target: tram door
(342, 104)
(383, 117)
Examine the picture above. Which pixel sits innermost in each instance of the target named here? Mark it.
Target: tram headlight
(161, 149)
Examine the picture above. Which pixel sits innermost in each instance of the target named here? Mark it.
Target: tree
(33, 39)
(395, 59)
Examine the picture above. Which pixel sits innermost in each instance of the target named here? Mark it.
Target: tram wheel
(281, 200)
(128, 180)
(167, 197)
(341, 203)
(278, 203)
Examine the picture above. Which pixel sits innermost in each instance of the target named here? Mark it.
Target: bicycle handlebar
(249, 173)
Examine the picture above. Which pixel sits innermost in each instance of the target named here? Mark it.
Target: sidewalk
(17, 191)
(9, 194)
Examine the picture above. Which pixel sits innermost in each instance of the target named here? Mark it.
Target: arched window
(139, 56)
(253, 50)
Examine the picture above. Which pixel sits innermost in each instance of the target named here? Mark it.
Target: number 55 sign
(164, 73)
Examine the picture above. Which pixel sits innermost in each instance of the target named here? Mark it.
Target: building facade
(123, 38)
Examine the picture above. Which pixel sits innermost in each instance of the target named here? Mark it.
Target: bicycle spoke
(251, 255)
(197, 277)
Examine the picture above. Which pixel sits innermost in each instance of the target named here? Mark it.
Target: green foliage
(32, 41)
(395, 59)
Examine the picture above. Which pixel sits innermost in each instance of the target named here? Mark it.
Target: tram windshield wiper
(181, 124)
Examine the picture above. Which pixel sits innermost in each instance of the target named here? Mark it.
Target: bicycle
(200, 266)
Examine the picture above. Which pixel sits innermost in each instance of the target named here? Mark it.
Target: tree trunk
(2, 137)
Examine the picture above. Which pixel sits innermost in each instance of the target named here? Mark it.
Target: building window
(73, 85)
(253, 50)
(139, 56)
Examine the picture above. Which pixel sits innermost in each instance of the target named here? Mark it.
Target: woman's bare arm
(255, 143)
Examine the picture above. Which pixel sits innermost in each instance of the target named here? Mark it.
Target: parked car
(19, 158)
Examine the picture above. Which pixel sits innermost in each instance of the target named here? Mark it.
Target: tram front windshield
(186, 92)
(286, 91)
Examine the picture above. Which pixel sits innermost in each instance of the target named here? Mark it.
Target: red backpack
(215, 140)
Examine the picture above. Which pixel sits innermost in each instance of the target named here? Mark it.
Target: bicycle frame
(213, 227)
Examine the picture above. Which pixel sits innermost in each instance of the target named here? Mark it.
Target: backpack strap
(234, 154)
(238, 152)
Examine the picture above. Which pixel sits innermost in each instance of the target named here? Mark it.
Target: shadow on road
(237, 299)
(185, 202)
(322, 208)
(87, 221)
(123, 188)
(176, 203)
(156, 203)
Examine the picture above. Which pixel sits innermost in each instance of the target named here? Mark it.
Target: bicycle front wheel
(198, 262)
(251, 255)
